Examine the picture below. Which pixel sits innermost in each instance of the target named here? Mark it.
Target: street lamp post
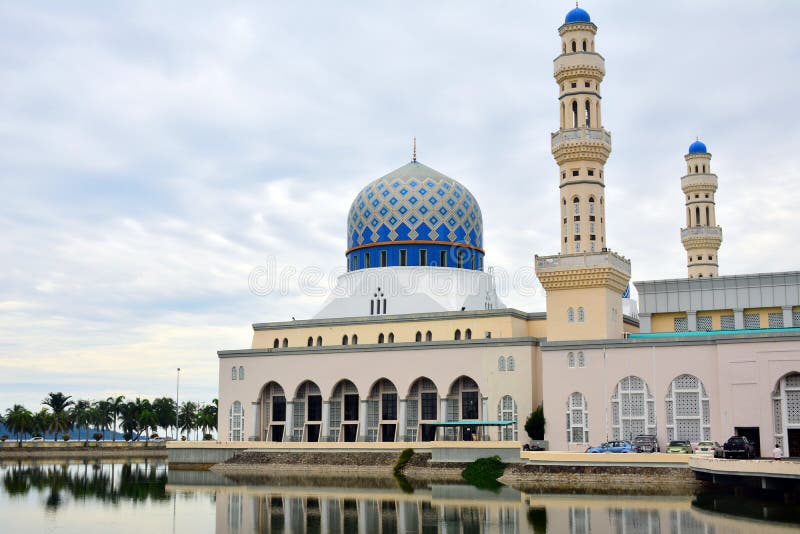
(178, 407)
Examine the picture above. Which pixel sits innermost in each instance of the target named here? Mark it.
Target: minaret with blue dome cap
(586, 280)
(702, 237)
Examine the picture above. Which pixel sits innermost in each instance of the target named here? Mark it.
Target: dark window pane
(469, 405)
(389, 406)
(279, 408)
(351, 407)
(429, 406)
(315, 407)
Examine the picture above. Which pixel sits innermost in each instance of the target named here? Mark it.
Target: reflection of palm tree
(58, 403)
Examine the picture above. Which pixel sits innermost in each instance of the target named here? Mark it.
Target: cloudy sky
(153, 155)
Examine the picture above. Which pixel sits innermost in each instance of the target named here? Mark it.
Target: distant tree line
(138, 419)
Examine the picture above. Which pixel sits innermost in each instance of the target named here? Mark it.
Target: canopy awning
(470, 423)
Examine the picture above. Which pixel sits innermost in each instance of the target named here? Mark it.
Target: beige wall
(599, 322)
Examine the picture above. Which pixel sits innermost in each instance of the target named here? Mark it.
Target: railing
(580, 134)
(704, 231)
(578, 261)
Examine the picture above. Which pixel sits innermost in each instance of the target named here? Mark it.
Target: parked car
(37, 438)
(709, 447)
(738, 447)
(614, 446)
(646, 443)
(679, 447)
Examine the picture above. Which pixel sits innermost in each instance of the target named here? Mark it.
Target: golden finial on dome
(414, 155)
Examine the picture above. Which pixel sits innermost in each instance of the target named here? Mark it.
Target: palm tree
(80, 416)
(129, 415)
(188, 416)
(147, 419)
(101, 416)
(19, 420)
(41, 421)
(58, 403)
(164, 408)
(115, 409)
(207, 417)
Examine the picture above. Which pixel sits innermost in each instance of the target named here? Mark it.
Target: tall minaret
(702, 237)
(585, 282)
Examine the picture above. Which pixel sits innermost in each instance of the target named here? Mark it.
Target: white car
(711, 448)
(37, 438)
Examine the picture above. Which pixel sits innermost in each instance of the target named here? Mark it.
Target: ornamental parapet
(697, 182)
(595, 269)
(590, 61)
(580, 144)
(579, 135)
(703, 232)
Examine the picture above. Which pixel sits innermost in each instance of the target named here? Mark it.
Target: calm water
(143, 497)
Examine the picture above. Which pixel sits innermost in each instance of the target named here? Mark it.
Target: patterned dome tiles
(414, 203)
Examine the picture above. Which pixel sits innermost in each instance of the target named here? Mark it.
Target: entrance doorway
(793, 447)
(350, 432)
(428, 432)
(753, 435)
(312, 432)
(387, 432)
(276, 433)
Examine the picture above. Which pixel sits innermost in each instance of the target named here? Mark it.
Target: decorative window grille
(501, 364)
(581, 315)
(335, 419)
(298, 419)
(571, 359)
(632, 409)
(241, 373)
(452, 413)
(752, 320)
(412, 420)
(576, 208)
(577, 227)
(507, 411)
(727, 322)
(775, 320)
(786, 407)
(681, 324)
(237, 414)
(796, 318)
(688, 410)
(233, 373)
(577, 419)
(580, 520)
(570, 315)
(577, 246)
(704, 323)
(373, 412)
(592, 246)
(581, 359)
(511, 363)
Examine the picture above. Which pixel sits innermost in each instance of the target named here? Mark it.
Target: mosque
(414, 344)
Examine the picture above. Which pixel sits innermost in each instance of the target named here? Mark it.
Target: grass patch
(484, 472)
(402, 460)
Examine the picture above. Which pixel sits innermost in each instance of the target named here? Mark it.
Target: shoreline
(11, 451)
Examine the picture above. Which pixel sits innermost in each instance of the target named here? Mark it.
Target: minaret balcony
(698, 182)
(588, 269)
(701, 232)
(575, 144)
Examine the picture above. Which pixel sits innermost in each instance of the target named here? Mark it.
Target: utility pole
(178, 407)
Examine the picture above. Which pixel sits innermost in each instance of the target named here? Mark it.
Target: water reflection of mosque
(255, 507)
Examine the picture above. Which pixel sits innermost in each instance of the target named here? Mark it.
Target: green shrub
(97, 436)
(65, 436)
(208, 437)
(484, 472)
(534, 426)
(402, 460)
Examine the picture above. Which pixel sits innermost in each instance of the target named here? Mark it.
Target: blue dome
(698, 147)
(577, 15)
(410, 210)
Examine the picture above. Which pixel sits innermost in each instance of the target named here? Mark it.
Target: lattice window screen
(704, 323)
(796, 318)
(775, 320)
(571, 359)
(681, 324)
(793, 407)
(777, 415)
(581, 359)
(727, 322)
(793, 381)
(752, 320)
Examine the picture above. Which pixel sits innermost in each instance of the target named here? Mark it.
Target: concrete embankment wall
(77, 449)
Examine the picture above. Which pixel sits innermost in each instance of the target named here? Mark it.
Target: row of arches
(382, 414)
(577, 114)
(697, 220)
(585, 45)
(382, 338)
(697, 169)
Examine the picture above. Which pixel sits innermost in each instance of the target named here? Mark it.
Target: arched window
(564, 207)
(319, 341)
(507, 411)
(571, 360)
(241, 373)
(418, 337)
(584, 45)
(708, 217)
(511, 364)
(577, 419)
(574, 47)
(344, 339)
(467, 334)
(380, 337)
(633, 409)
(581, 315)
(574, 112)
(285, 343)
(591, 205)
(786, 409)
(428, 336)
(457, 335)
(576, 205)
(233, 373)
(695, 169)
(276, 343)
(688, 216)
(501, 363)
(355, 339)
(588, 107)
(704, 168)
(236, 416)
(391, 337)
(581, 359)
(688, 410)
(570, 315)
(310, 341)
(697, 216)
